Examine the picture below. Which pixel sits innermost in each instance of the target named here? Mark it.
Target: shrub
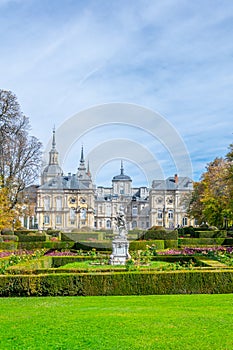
(7, 231)
(8, 245)
(82, 236)
(170, 243)
(10, 238)
(125, 283)
(48, 244)
(195, 242)
(210, 234)
(88, 245)
(160, 234)
(142, 245)
(186, 231)
(31, 236)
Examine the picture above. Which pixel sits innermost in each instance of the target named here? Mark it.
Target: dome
(52, 169)
(122, 176)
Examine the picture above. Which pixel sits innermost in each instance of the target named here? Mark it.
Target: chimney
(176, 178)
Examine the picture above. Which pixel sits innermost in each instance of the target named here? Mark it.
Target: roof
(171, 183)
(70, 182)
(122, 176)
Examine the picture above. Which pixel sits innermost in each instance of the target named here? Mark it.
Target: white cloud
(172, 56)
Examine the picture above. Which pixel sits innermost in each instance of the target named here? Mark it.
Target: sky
(173, 57)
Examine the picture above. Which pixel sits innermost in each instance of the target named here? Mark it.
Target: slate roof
(66, 183)
(184, 183)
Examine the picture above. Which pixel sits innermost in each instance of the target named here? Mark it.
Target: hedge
(7, 238)
(228, 242)
(8, 245)
(32, 237)
(89, 245)
(196, 242)
(126, 283)
(160, 234)
(171, 243)
(41, 245)
(82, 236)
(142, 245)
(210, 234)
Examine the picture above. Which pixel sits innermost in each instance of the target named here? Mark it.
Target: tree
(6, 214)
(20, 153)
(212, 199)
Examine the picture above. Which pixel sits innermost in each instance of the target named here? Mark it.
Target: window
(108, 210)
(170, 214)
(185, 221)
(46, 219)
(58, 219)
(72, 222)
(134, 224)
(160, 214)
(108, 224)
(46, 203)
(83, 214)
(135, 210)
(59, 203)
(72, 214)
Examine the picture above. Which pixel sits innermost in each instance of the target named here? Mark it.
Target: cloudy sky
(174, 57)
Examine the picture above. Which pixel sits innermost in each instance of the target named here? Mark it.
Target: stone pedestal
(120, 251)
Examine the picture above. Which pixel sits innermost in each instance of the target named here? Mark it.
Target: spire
(82, 156)
(54, 141)
(88, 169)
(122, 168)
(53, 154)
(82, 161)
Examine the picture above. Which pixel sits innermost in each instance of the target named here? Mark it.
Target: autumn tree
(212, 199)
(20, 153)
(6, 214)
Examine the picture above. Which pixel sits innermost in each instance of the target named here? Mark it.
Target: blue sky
(174, 57)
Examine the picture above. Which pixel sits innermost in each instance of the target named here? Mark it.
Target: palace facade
(72, 202)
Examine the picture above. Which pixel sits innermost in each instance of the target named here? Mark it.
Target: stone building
(72, 202)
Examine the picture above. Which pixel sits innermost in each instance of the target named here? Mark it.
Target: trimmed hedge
(82, 236)
(8, 245)
(142, 245)
(48, 244)
(89, 245)
(11, 238)
(160, 234)
(228, 242)
(171, 243)
(32, 237)
(126, 283)
(211, 234)
(196, 242)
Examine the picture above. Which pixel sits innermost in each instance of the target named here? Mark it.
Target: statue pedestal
(120, 251)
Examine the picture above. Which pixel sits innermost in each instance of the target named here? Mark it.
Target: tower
(53, 169)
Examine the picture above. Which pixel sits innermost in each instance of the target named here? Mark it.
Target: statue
(121, 224)
(120, 244)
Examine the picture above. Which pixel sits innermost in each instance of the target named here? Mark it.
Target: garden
(175, 292)
(76, 264)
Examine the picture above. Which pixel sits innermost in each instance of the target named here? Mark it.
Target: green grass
(117, 323)
(94, 265)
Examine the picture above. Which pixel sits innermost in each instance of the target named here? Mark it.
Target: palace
(72, 202)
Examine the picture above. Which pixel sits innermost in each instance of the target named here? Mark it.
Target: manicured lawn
(94, 265)
(117, 323)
